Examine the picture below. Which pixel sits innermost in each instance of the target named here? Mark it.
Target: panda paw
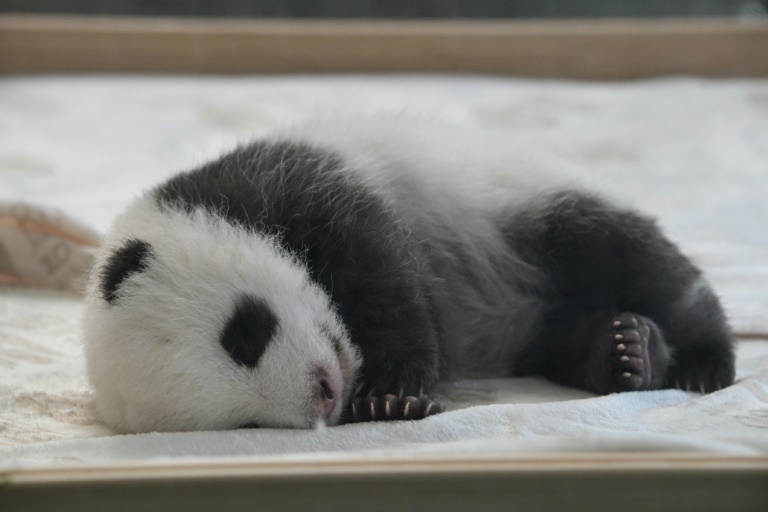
(632, 365)
(388, 407)
(704, 370)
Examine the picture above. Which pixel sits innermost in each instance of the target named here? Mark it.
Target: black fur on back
(130, 258)
(353, 246)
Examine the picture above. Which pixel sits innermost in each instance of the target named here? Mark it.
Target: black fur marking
(249, 330)
(132, 257)
(604, 261)
(353, 246)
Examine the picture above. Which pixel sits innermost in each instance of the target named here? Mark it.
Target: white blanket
(692, 152)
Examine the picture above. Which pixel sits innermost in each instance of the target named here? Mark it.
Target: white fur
(154, 361)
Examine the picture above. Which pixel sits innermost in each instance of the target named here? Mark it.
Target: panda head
(195, 324)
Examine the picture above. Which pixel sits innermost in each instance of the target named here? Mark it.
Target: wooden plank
(341, 464)
(564, 49)
(593, 482)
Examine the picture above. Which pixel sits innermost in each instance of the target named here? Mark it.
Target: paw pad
(629, 357)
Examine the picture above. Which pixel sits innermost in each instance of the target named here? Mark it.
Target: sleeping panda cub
(334, 272)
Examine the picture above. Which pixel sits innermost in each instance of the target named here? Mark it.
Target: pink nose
(328, 397)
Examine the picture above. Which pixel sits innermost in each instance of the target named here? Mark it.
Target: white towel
(692, 152)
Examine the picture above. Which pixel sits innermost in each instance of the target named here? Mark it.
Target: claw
(406, 410)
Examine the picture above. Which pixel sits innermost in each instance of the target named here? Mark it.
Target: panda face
(195, 324)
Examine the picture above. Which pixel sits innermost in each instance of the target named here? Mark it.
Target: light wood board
(559, 49)
(580, 482)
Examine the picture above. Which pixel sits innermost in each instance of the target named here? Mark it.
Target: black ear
(132, 257)
(249, 330)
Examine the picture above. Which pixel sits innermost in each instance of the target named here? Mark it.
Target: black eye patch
(249, 330)
(132, 257)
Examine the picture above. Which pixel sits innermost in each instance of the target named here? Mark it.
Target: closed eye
(343, 354)
(335, 341)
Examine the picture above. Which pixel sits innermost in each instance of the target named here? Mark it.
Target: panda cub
(334, 272)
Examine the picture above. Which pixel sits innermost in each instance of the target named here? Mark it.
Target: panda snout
(328, 394)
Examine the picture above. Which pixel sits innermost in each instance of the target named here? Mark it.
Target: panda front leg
(399, 393)
(372, 268)
(400, 353)
(397, 377)
(629, 311)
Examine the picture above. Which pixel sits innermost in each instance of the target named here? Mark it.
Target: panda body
(335, 271)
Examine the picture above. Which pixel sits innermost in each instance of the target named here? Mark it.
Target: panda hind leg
(603, 351)
(627, 311)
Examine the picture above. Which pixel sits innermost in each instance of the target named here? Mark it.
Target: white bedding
(692, 152)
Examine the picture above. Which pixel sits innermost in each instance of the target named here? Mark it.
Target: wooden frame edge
(594, 482)
(229, 466)
(559, 49)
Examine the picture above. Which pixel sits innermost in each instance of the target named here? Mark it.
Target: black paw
(373, 407)
(630, 355)
(705, 370)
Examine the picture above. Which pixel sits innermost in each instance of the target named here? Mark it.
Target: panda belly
(323, 277)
